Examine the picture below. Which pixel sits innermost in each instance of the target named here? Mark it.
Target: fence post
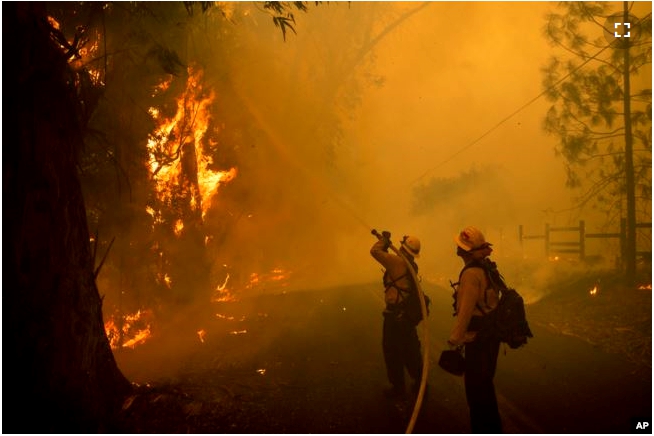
(582, 240)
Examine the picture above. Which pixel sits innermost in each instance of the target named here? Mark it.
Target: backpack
(508, 321)
(409, 305)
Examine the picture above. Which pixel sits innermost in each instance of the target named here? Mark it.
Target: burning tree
(54, 340)
(150, 177)
(129, 116)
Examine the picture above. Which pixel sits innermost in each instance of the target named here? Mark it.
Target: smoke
(385, 115)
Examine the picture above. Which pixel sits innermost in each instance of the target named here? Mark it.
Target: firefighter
(474, 292)
(400, 342)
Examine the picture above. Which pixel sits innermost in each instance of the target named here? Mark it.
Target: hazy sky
(453, 71)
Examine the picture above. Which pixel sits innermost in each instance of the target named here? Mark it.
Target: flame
(222, 294)
(238, 332)
(165, 279)
(160, 88)
(594, 291)
(140, 337)
(135, 330)
(279, 275)
(201, 334)
(54, 23)
(86, 52)
(645, 287)
(182, 135)
(275, 275)
(179, 226)
(209, 182)
(254, 280)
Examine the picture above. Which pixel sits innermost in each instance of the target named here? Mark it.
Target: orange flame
(179, 226)
(222, 294)
(594, 291)
(202, 334)
(135, 330)
(275, 275)
(185, 133)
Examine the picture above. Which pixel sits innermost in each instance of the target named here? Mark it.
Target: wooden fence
(554, 244)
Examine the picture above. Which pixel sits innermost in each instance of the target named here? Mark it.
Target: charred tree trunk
(59, 371)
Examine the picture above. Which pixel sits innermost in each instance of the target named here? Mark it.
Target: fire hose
(425, 339)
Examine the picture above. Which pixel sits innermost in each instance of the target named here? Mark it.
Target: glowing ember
(261, 371)
(645, 287)
(254, 279)
(165, 279)
(275, 275)
(594, 291)
(238, 332)
(201, 334)
(54, 23)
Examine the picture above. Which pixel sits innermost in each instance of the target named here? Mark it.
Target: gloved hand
(386, 237)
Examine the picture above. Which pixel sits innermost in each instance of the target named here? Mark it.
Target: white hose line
(425, 344)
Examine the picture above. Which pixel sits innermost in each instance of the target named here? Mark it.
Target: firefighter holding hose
(400, 342)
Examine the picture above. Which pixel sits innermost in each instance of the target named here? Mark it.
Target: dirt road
(310, 362)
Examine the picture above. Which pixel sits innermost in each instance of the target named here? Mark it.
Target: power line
(508, 117)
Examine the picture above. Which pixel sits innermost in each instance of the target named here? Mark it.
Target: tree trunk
(60, 374)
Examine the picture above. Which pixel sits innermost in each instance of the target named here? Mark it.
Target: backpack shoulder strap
(484, 264)
(474, 263)
(495, 280)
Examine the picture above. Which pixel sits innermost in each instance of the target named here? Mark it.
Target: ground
(616, 319)
(310, 362)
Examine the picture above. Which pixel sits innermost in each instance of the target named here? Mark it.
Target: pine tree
(602, 109)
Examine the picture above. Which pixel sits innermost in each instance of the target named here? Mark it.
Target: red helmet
(471, 238)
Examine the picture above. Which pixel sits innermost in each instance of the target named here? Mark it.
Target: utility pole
(630, 270)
